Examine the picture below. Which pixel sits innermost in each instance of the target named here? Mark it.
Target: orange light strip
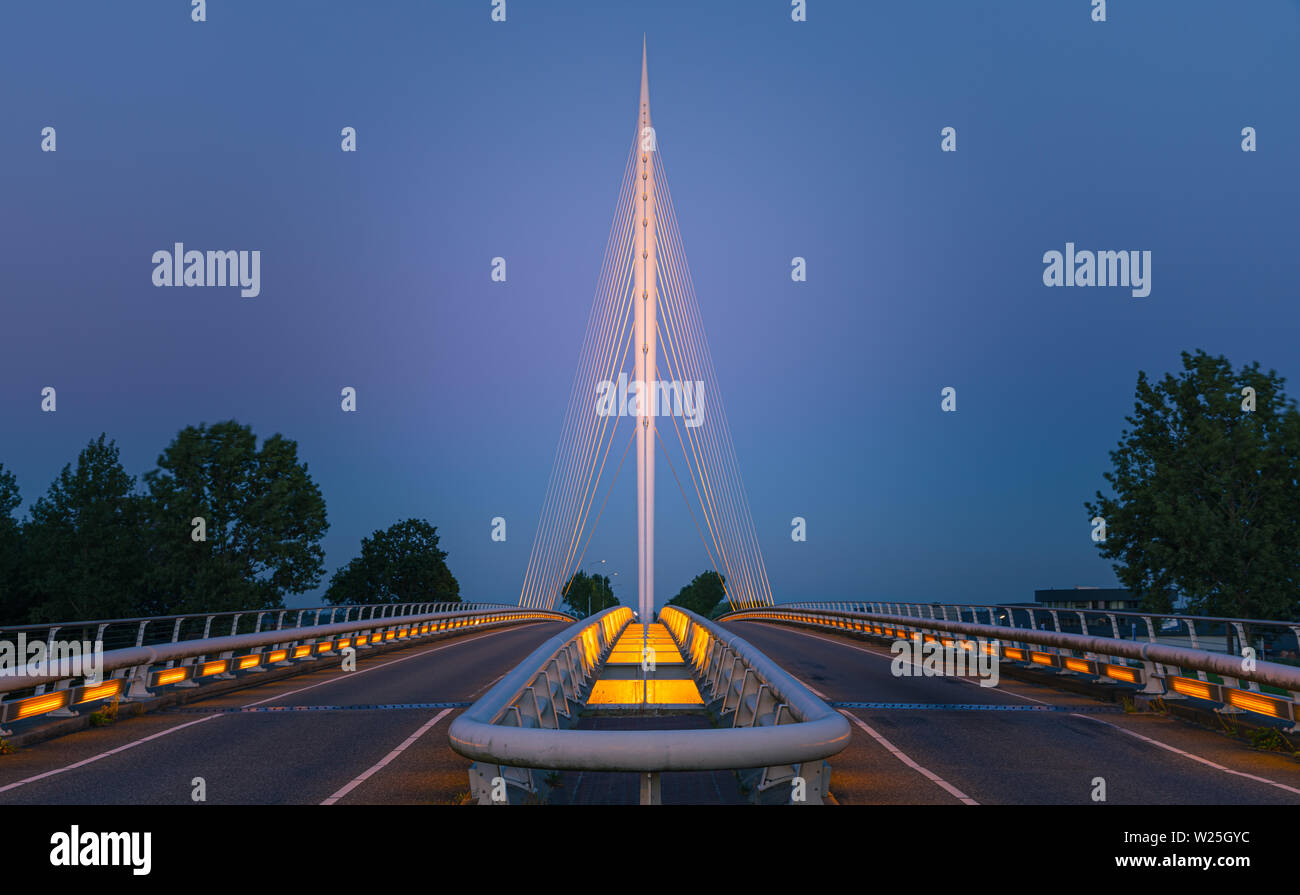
(1041, 658)
(1254, 702)
(39, 705)
(170, 676)
(1120, 673)
(245, 662)
(1078, 665)
(278, 656)
(216, 666)
(103, 691)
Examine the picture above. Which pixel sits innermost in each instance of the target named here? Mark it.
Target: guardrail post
(651, 793)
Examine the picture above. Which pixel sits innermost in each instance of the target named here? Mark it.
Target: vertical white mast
(646, 347)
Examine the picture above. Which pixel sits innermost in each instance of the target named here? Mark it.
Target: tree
(83, 554)
(263, 519)
(1207, 493)
(400, 564)
(13, 604)
(584, 593)
(702, 595)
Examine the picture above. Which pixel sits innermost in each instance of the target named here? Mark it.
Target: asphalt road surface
(263, 745)
(378, 736)
(1024, 745)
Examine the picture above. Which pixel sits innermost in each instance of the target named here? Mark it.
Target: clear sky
(818, 139)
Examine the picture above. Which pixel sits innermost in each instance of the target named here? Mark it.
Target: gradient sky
(779, 139)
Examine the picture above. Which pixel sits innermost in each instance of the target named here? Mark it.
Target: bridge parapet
(523, 724)
(1239, 683)
(60, 683)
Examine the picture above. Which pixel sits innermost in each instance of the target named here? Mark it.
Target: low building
(1117, 598)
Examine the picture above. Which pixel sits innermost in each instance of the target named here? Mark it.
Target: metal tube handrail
(1043, 607)
(820, 731)
(37, 626)
(138, 656)
(1285, 676)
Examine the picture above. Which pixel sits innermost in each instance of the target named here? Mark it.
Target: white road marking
(1157, 743)
(162, 733)
(925, 772)
(387, 758)
(1204, 761)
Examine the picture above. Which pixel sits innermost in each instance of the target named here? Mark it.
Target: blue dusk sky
(818, 139)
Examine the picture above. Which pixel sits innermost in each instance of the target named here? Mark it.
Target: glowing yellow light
(1041, 658)
(1120, 673)
(1254, 702)
(170, 676)
(247, 662)
(39, 705)
(639, 692)
(278, 656)
(1190, 687)
(300, 651)
(216, 666)
(1012, 653)
(103, 691)
(1077, 665)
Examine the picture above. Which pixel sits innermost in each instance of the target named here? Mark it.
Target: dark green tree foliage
(583, 587)
(1207, 494)
(264, 518)
(12, 600)
(401, 564)
(702, 595)
(83, 549)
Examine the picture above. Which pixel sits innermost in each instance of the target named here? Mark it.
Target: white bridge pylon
(645, 305)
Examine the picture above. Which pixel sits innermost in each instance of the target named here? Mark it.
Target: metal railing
(1271, 639)
(147, 630)
(1159, 668)
(779, 730)
(60, 684)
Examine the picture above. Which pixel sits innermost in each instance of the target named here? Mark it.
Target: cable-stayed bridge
(517, 701)
(645, 322)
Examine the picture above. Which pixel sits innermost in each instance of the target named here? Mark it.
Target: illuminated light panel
(1078, 665)
(389, 635)
(170, 676)
(673, 692)
(1190, 687)
(375, 638)
(649, 692)
(278, 656)
(1041, 658)
(1013, 653)
(247, 662)
(103, 691)
(216, 666)
(342, 643)
(1254, 702)
(300, 651)
(39, 705)
(1120, 673)
(324, 647)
